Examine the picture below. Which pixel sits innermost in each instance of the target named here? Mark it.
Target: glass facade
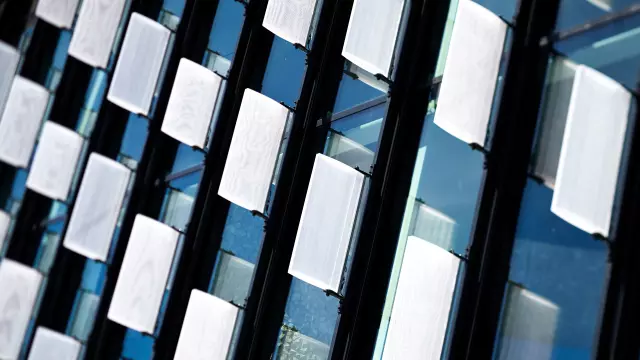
(505, 232)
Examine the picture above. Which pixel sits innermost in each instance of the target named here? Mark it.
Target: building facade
(319, 179)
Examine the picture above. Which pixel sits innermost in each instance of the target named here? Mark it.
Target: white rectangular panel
(58, 13)
(254, 151)
(5, 222)
(20, 285)
(193, 99)
(529, 326)
(591, 150)
(207, 328)
(326, 223)
(21, 120)
(372, 33)
(471, 72)
(422, 303)
(290, 19)
(97, 207)
(350, 152)
(9, 58)
(143, 276)
(48, 345)
(55, 161)
(554, 118)
(138, 68)
(96, 31)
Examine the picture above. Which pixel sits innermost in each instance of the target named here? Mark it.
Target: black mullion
(268, 295)
(507, 163)
(39, 54)
(14, 16)
(148, 191)
(25, 238)
(618, 335)
(376, 244)
(204, 233)
(65, 274)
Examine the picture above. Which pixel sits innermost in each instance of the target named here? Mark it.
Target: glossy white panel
(190, 109)
(138, 68)
(58, 13)
(9, 58)
(20, 285)
(55, 161)
(591, 150)
(326, 223)
(528, 327)
(254, 151)
(5, 223)
(95, 31)
(290, 19)
(207, 329)
(49, 345)
(422, 303)
(97, 207)
(471, 72)
(143, 276)
(554, 118)
(372, 33)
(21, 121)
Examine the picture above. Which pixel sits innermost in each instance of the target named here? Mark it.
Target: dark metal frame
(489, 255)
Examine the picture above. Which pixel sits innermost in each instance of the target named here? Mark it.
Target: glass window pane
(574, 13)
(558, 264)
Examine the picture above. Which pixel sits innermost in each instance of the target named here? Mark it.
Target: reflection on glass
(232, 280)
(441, 205)
(82, 320)
(563, 265)
(226, 28)
(353, 92)
(577, 12)
(528, 326)
(294, 345)
(557, 95)
(349, 152)
(433, 225)
(177, 211)
(284, 73)
(611, 49)
(312, 315)
(47, 253)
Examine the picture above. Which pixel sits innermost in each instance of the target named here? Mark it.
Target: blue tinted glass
(19, 184)
(363, 127)
(563, 265)
(353, 92)
(60, 55)
(574, 13)
(311, 312)
(612, 49)
(174, 6)
(93, 276)
(95, 92)
(226, 29)
(186, 157)
(242, 234)
(451, 176)
(285, 70)
(135, 136)
(137, 346)
(188, 184)
(504, 8)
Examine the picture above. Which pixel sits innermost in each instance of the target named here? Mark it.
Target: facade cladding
(319, 179)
